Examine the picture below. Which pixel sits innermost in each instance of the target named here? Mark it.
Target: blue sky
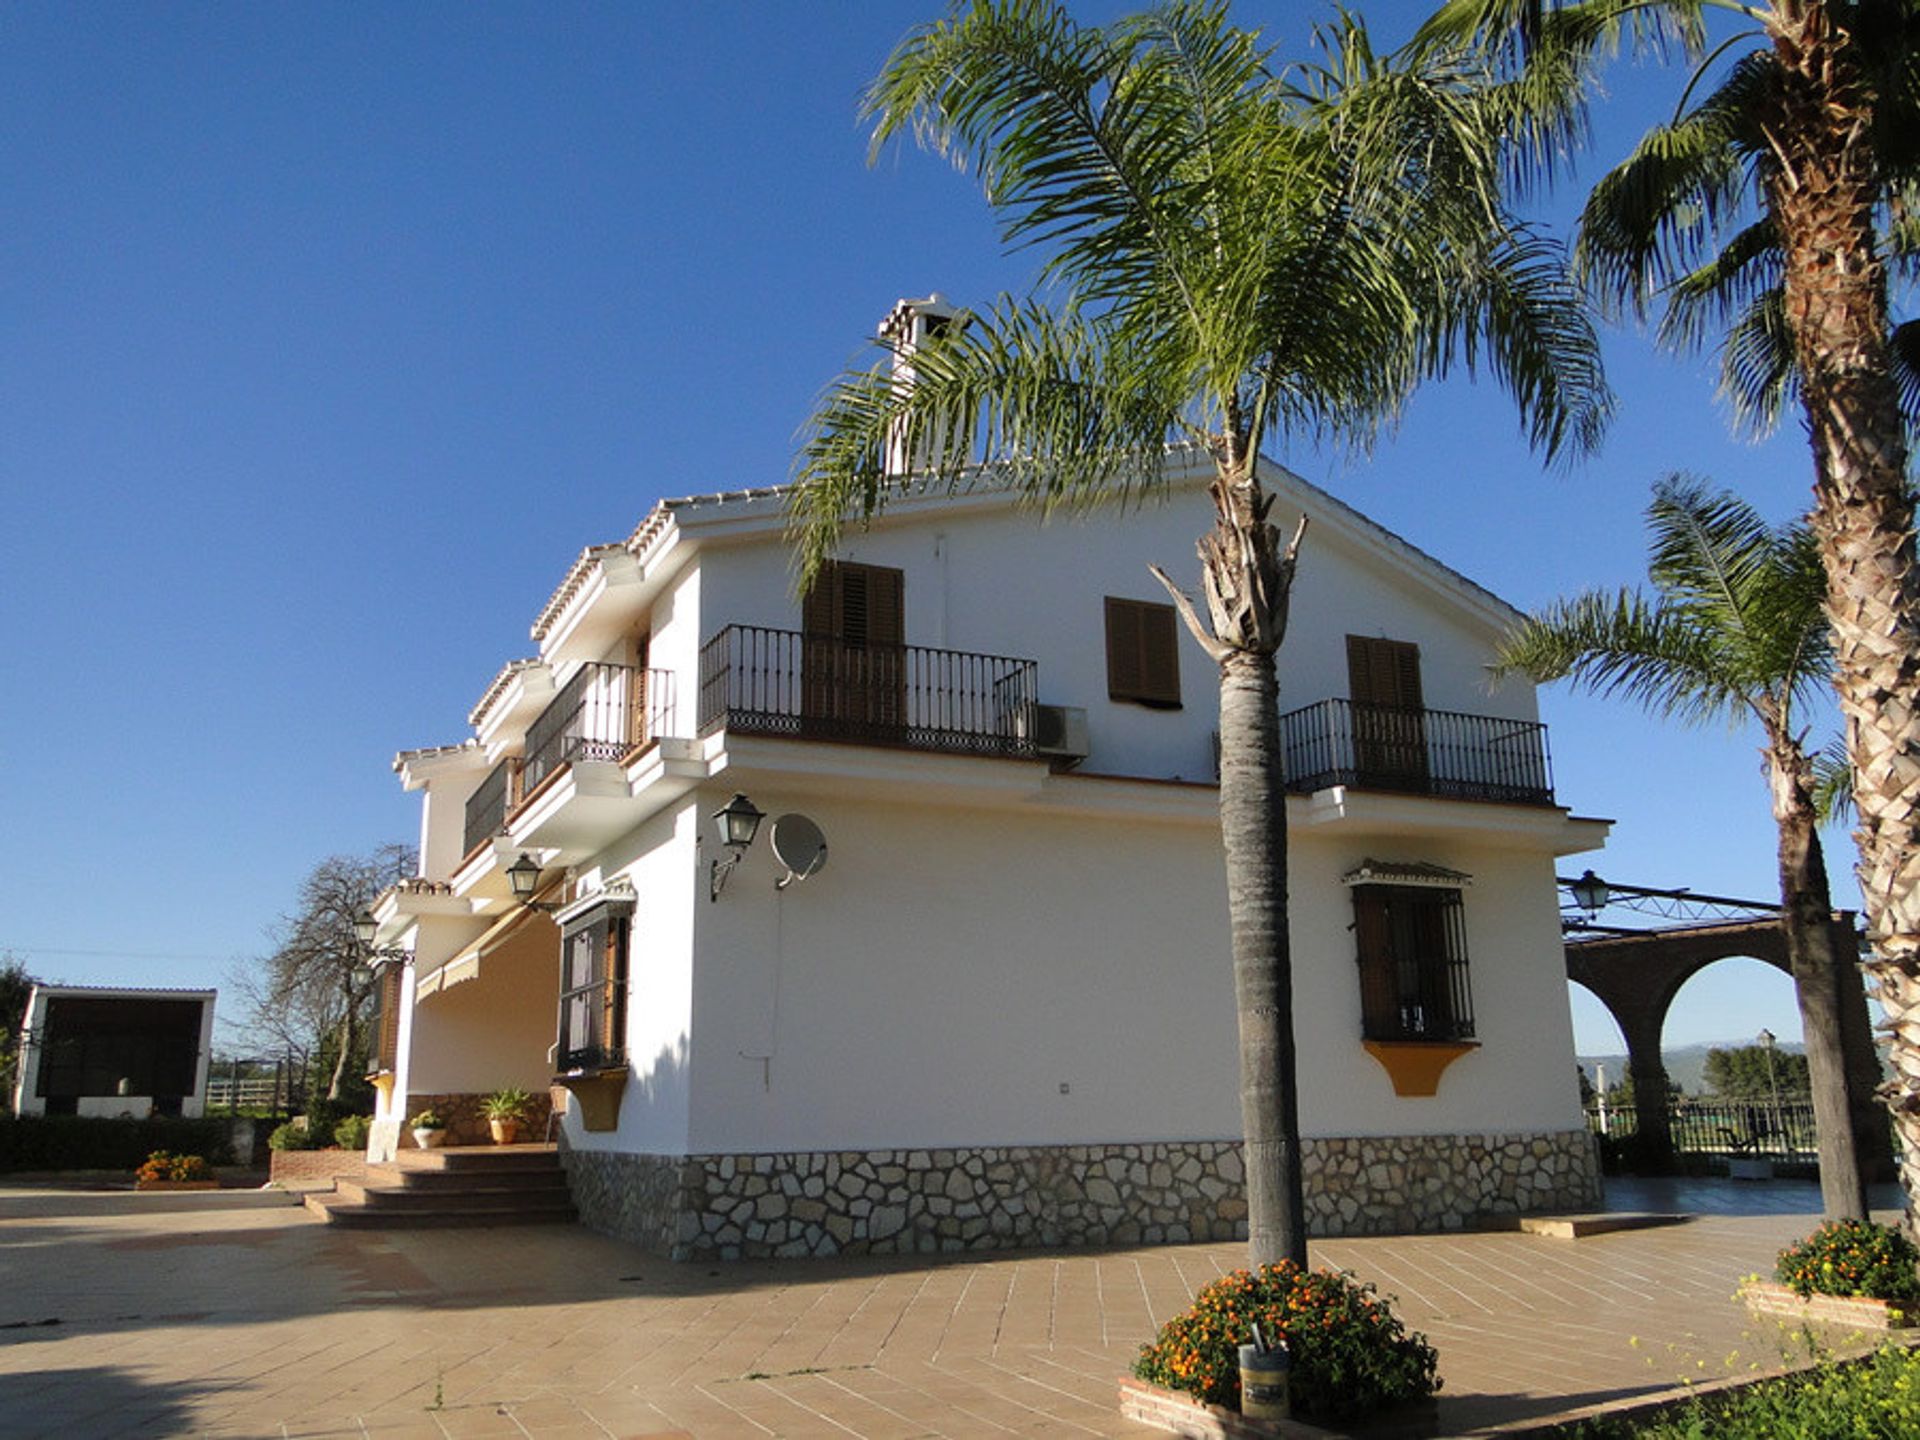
(328, 336)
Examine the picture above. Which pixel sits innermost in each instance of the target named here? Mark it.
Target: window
(1143, 653)
(1413, 963)
(593, 989)
(1389, 719)
(387, 1041)
(853, 658)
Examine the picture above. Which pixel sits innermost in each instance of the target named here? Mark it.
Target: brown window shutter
(389, 1052)
(816, 610)
(1123, 649)
(1143, 653)
(1383, 672)
(886, 606)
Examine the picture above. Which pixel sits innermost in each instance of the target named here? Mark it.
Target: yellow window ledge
(1415, 1066)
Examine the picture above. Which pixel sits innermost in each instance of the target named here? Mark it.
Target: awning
(466, 965)
(1405, 872)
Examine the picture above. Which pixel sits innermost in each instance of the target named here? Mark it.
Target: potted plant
(429, 1130)
(505, 1109)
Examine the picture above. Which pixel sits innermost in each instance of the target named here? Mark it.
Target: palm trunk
(1253, 823)
(1822, 198)
(1806, 915)
(1249, 579)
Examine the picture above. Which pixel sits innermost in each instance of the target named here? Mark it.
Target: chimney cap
(900, 317)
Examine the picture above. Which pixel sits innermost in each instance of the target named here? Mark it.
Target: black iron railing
(1421, 752)
(488, 807)
(1783, 1130)
(781, 682)
(601, 713)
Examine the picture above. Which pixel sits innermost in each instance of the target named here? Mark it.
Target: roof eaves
(499, 687)
(577, 576)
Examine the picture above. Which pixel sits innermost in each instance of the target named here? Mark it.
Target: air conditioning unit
(1060, 731)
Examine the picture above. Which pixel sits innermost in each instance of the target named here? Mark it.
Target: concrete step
(1577, 1227)
(481, 1157)
(466, 1185)
(336, 1210)
(375, 1190)
(448, 1182)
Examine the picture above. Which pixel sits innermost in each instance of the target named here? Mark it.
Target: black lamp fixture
(1590, 892)
(365, 927)
(524, 876)
(739, 821)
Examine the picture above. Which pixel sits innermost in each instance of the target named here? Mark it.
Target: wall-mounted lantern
(739, 821)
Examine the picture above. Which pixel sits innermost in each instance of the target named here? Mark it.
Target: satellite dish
(798, 845)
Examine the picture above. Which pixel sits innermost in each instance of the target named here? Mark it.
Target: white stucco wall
(493, 1031)
(950, 970)
(1000, 581)
(661, 859)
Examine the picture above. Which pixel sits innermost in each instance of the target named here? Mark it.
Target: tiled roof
(584, 566)
(425, 752)
(1404, 872)
(499, 687)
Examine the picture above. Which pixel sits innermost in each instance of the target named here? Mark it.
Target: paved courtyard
(238, 1314)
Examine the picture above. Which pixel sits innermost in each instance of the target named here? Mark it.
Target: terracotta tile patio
(241, 1315)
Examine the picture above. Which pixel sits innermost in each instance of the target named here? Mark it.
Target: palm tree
(1733, 633)
(1241, 252)
(1805, 150)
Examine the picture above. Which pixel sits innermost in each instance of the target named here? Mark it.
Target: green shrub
(1877, 1399)
(351, 1133)
(297, 1135)
(1350, 1355)
(82, 1142)
(1852, 1257)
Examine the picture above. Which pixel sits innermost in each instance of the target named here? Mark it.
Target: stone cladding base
(897, 1202)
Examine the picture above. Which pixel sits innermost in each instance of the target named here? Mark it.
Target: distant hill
(1686, 1066)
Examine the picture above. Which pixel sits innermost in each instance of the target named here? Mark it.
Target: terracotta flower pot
(505, 1132)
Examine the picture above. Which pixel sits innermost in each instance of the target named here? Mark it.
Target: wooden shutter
(853, 651)
(1143, 653)
(1379, 989)
(1383, 672)
(388, 1053)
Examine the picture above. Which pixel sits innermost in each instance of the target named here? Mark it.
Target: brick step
(375, 1191)
(338, 1211)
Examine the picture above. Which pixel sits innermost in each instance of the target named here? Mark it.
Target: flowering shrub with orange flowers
(1852, 1257)
(1350, 1354)
(162, 1166)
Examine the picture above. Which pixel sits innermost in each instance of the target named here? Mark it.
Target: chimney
(910, 324)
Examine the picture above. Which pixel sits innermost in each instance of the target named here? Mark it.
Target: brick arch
(1637, 976)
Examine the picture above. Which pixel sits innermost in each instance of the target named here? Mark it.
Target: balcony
(1416, 752)
(605, 712)
(781, 682)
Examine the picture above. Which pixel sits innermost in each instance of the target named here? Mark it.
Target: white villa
(969, 984)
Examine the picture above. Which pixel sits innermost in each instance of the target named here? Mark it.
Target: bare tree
(315, 985)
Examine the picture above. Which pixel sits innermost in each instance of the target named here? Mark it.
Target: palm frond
(1627, 646)
(1713, 296)
(1833, 783)
(1056, 408)
(1759, 377)
(1658, 215)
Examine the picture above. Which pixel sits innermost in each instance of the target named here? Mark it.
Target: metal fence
(1726, 1128)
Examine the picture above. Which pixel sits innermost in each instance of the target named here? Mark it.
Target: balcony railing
(781, 682)
(1420, 752)
(488, 807)
(603, 712)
